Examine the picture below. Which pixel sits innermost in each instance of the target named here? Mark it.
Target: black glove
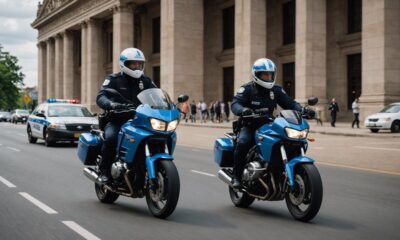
(117, 106)
(246, 111)
(309, 112)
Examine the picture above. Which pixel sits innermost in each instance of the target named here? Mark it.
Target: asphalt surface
(356, 205)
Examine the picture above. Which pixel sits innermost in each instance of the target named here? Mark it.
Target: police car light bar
(55, 100)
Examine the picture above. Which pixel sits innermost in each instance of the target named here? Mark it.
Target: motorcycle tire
(163, 200)
(308, 191)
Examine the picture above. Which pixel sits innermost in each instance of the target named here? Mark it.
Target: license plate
(24, 119)
(77, 135)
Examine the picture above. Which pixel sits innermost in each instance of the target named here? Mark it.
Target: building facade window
(228, 23)
(229, 81)
(354, 16)
(156, 35)
(289, 22)
(353, 78)
(289, 79)
(156, 76)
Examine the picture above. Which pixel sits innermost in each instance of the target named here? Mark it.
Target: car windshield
(68, 111)
(155, 98)
(22, 112)
(391, 109)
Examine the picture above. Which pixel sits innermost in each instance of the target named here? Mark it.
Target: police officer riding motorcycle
(128, 83)
(260, 94)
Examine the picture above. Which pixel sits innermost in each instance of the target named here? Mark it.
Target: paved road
(357, 204)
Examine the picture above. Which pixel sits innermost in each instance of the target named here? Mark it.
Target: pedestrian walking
(193, 111)
(223, 115)
(212, 112)
(217, 109)
(227, 110)
(334, 108)
(203, 110)
(356, 112)
(185, 111)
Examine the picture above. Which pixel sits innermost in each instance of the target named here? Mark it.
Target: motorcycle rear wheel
(240, 199)
(163, 200)
(304, 201)
(104, 195)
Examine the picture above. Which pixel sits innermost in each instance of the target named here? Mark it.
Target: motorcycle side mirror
(183, 98)
(312, 101)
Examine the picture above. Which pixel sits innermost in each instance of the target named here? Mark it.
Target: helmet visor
(265, 76)
(134, 65)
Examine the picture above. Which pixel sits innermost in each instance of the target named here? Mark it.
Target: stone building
(205, 48)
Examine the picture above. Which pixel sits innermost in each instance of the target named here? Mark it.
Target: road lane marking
(359, 168)
(376, 148)
(203, 173)
(14, 149)
(7, 183)
(80, 230)
(38, 203)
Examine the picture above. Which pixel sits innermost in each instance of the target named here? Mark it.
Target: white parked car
(388, 118)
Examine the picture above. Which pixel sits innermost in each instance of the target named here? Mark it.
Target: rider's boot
(236, 183)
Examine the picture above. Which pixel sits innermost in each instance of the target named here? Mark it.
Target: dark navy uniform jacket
(127, 86)
(253, 96)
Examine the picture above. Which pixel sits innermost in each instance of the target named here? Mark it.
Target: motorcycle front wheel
(162, 201)
(305, 198)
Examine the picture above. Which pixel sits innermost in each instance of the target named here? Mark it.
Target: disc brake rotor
(157, 195)
(297, 195)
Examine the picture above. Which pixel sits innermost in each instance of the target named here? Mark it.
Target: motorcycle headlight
(57, 126)
(295, 134)
(172, 125)
(158, 124)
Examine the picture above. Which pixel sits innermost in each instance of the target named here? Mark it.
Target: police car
(59, 120)
(388, 118)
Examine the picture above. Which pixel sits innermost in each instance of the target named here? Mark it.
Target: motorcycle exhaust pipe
(225, 177)
(90, 173)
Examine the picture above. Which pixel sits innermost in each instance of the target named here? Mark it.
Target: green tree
(10, 79)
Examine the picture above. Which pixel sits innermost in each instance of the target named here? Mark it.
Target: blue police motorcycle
(276, 167)
(143, 164)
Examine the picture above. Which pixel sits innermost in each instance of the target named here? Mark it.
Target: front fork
(151, 162)
(289, 169)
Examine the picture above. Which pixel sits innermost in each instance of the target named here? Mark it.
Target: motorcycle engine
(118, 170)
(252, 171)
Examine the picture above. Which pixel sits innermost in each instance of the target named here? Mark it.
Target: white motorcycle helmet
(264, 73)
(129, 57)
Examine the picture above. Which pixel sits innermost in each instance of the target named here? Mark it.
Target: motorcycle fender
(292, 164)
(151, 160)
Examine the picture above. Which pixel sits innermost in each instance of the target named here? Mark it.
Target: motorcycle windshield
(155, 98)
(291, 116)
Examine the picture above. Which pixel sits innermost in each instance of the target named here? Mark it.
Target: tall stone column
(68, 65)
(310, 72)
(250, 37)
(59, 59)
(84, 62)
(380, 55)
(181, 54)
(50, 91)
(42, 70)
(122, 31)
(94, 66)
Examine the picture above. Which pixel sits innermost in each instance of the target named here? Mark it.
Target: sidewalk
(341, 129)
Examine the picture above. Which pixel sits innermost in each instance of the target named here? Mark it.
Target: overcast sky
(18, 37)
